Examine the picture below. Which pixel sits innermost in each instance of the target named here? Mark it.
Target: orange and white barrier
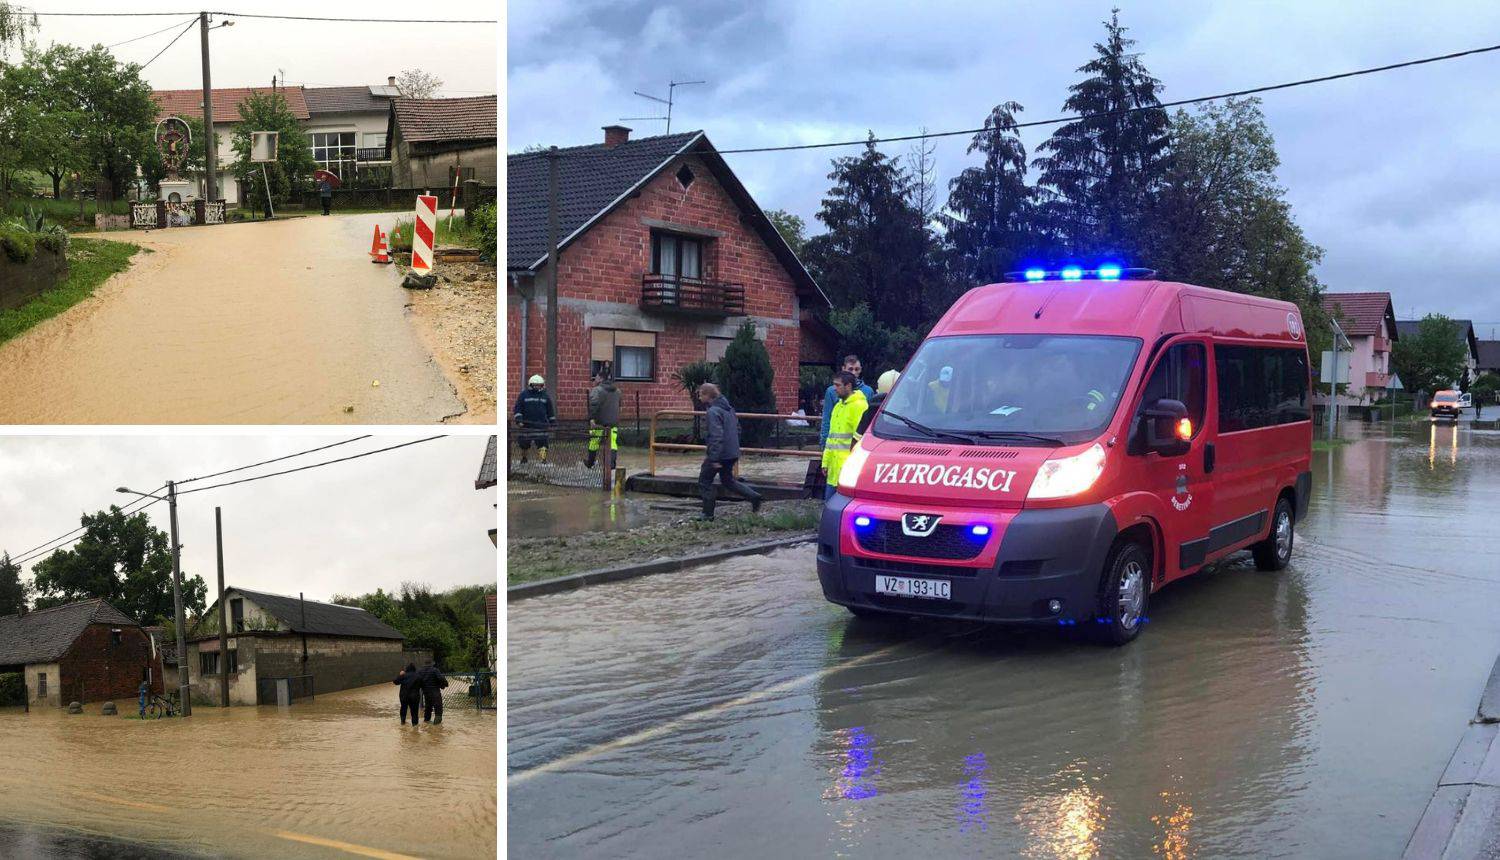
(424, 231)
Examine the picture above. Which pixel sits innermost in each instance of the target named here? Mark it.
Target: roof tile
(1362, 312)
(432, 120)
(44, 635)
(186, 103)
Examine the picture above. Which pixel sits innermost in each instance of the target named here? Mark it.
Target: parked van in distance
(1446, 404)
(1062, 446)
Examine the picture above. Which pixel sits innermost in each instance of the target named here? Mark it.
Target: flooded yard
(336, 776)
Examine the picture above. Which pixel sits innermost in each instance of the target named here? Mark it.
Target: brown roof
(186, 103)
(1489, 355)
(492, 611)
(44, 635)
(345, 100)
(1361, 313)
(423, 120)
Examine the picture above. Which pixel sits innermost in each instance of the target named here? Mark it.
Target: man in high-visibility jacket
(842, 425)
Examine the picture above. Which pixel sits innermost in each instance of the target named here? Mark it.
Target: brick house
(1369, 321)
(663, 254)
(87, 651)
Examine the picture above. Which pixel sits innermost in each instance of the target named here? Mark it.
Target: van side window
(1181, 374)
(1260, 387)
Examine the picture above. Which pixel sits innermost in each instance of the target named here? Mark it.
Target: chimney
(390, 81)
(614, 135)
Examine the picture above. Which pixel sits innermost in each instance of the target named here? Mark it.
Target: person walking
(432, 682)
(604, 416)
(325, 193)
(534, 413)
(842, 424)
(883, 387)
(723, 452)
(410, 693)
(852, 366)
(144, 690)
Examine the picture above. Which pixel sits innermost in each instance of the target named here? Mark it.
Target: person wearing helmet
(883, 387)
(534, 414)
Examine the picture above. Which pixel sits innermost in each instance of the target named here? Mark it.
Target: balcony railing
(1375, 379)
(371, 153)
(693, 296)
(1381, 344)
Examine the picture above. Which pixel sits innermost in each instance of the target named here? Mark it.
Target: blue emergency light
(862, 521)
(979, 530)
(1105, 272)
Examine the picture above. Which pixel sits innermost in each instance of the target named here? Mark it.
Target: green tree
(1485, 387)
(118, 115)
(1099, 173)
(747, 378)
(122, 559)
(989, 221)
(13, 590)
(880, 347)
(294, 163)
(1431, 359)
(50, 144)
(792, 228)
(16, 25)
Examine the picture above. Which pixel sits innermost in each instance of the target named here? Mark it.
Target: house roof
(1361, 312)
(444, 120)
(1465, 331)
(345, 100)
(44, 635)
(1489, 354)
(323, 619)
(492, 611)
(486, 477)
(592, 180)
(187, 103)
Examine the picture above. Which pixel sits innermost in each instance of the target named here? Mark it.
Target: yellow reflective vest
(841, 429)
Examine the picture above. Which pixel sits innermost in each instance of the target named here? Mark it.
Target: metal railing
(691, 296)
(781, 421)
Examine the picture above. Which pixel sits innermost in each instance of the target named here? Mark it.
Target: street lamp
(182, 665)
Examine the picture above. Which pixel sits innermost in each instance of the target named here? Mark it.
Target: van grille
(924, 451)
(910, 567)
(946, 541)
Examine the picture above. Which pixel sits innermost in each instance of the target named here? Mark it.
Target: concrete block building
(87, 651)
(663, 255)
(275, 639)
(427, 137)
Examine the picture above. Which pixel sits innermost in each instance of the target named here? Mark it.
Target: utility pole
(223, 629)
(552, 380)
(211, 156)
(1333, 387)
(182, 661)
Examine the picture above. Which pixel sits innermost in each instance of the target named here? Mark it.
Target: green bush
(485, 217)
(12, 689)
(746, 378)
(19, 244)
(812, 382)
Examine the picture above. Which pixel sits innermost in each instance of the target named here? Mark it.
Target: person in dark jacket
(432, 682)
(410, 693)
(723, 451)
(604, 416)
(534, 413)
(325, 192)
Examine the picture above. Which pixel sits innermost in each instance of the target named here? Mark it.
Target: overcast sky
(251, 52)
(408, 514)
(1395, 175)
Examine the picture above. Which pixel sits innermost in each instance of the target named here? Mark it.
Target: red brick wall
(94, 669)
(606, 264)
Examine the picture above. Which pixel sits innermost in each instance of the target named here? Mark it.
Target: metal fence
(566, 462)
(482, 688)
(373, 198)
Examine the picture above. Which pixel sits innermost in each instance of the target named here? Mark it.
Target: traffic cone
(375, 243)
(381, 253)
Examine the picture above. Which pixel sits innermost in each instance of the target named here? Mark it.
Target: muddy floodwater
(337, 776)
(284, 322)
(729, 711)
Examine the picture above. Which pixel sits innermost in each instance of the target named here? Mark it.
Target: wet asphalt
(730, 710)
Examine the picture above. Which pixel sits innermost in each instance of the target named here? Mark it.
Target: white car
(1466, 401)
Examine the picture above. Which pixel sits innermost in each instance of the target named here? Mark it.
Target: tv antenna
(668, 101)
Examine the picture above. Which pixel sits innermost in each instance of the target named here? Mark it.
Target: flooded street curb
(1462, 820)
(631, 571)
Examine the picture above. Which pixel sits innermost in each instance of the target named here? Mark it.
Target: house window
(334, 150)
(237, 615)
(41, 684)
(114, 637)
(374, 139)
(676, 256)
(716, 347)
(631, 354)
(208, 662)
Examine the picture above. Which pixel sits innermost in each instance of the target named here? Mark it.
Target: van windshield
(1446, 397)
(1010, 389)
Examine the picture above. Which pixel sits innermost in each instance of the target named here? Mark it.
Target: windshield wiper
(924, 429)
(1012, 434)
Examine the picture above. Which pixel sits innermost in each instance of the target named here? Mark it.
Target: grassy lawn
(530, 559)
(457, 234)
(90, 262)
(1329, 444)
(64, 212)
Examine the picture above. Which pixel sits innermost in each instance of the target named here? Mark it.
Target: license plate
(938, 589)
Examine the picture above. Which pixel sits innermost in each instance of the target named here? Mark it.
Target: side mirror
(1166, 427)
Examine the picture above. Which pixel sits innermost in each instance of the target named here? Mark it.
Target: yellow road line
(522, 776)
(350, 847)
(120, 801)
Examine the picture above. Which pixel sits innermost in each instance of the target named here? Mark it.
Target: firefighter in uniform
(534, 413)
(842, 425)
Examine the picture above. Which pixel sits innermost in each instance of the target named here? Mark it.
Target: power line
(270, 17)
(274, 460)
(148, 35)
(46, 547)
(169, 44)
(311, 466)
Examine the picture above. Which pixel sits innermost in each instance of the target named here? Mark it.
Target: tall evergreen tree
(1101, 171)
(989, 214)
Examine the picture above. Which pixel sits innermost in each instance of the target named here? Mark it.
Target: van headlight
(849, 474)
(1068, 476)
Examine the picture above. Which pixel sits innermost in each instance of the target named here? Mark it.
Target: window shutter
(636, 338)
(603, 345)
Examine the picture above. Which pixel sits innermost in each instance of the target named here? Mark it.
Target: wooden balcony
(1381, 344)
(691, 296)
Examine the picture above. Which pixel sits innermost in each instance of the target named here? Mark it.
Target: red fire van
(1063, 445)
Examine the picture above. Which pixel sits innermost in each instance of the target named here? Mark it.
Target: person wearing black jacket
(723, 451)
(534, 414)
(432, 682)
(411, 692)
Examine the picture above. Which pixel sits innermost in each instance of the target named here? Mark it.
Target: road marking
(120, 801)
(522, 776)
(350, 847)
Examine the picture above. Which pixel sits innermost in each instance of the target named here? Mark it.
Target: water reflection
(973, 790)
(1065, 824)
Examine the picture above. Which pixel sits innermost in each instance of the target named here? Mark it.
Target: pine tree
(747, 378)
(988, 219)
(1101, 172)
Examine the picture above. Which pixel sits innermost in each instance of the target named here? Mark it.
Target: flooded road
(251, 323)
(1308, 713)
(334, 777)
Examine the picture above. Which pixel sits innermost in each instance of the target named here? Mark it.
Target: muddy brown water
(284, 322)
(1308, 713)
(336, 776)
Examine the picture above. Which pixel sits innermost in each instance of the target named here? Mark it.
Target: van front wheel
(1275, 552)
(1125, 594)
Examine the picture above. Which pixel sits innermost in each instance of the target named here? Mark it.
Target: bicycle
(158, 707)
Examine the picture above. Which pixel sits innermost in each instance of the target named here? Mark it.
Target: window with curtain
(630, 354)
(677, 256)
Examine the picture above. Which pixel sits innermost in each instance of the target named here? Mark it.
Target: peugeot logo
(919, 525)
